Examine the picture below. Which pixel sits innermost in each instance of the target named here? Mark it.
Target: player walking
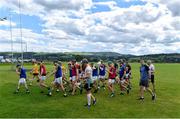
(88, 85)
(152, 71)
(144, 83)
(102, 73)
(22, 81)
(112, 76)
(43, 77)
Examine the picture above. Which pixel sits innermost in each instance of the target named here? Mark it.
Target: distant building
(1, 57)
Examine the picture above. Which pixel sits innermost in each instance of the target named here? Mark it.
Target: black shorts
(152, 78)
(144, 83)
(35, 74)
(88, 87)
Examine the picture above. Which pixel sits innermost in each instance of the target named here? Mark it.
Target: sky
(135, 27)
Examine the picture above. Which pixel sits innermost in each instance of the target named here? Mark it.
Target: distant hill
(94, 56)
(172, 57)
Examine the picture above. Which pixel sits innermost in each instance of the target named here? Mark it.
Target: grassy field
(36, 104)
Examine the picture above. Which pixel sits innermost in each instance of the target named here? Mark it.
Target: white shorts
(101, 77)
(43, 78)
(80, 75)
(22, 81)
(94, 78)
(122, 81)
(58, 80)
(73, 78)
(111, 81)
(78, 84)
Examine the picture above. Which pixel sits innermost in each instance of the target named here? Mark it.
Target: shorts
(144, 83)
(78, 83)
(73, 78)
(88, 87)
(22, 81)
(111, 81)
(80, 75)
(43, 78)
(101, 77)
(58, 80)
(122, 81)
(94, 78)
(35, 74)
(152, 78)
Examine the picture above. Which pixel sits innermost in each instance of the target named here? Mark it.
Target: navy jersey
(22, 73)
(58, 72)
(144, 72)
(121, 71)
(102, 70)
(95, 71)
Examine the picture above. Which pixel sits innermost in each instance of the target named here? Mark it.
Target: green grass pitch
(39, 105)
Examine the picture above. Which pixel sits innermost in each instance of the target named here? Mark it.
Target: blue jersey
(95, 72)
(22, 73)
(144, 72)
(102, 70)
(70, 72)
(121, 71)
(58, 72)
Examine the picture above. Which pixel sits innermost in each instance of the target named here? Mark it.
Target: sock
(89, 99)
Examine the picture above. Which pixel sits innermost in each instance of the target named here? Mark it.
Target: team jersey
(89, 71)
(42, 70)
(102, 70)
(74, 73)
(58, 72)
(95, 71)
(22, 73)
(112, 75)
(144, 72)
(127, 74)
(121, 71)
(129, 69)
(152, 69)
(35, 69)
(78, 67)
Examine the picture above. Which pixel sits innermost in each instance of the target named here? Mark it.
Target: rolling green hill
(94, 56)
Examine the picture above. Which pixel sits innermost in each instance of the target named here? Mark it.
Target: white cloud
(173, 6)
(140, 29)
(64, 4)
(7, 23)
(111, 4)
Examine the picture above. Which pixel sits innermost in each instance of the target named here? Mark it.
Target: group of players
(88, 76)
